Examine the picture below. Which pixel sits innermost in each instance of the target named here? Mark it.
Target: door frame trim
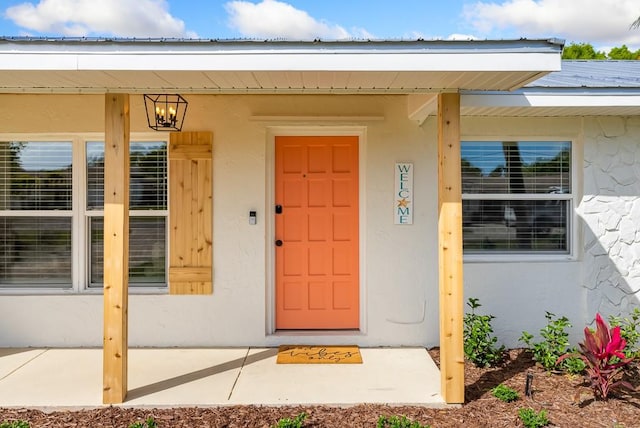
(270, 280)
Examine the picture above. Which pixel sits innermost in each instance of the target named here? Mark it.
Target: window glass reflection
(511, 167)
(147, 250)
(516, 196)
(35, 175)
(35, 251)
(147, 181)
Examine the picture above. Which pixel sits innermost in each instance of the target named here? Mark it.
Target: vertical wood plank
(450, 248)
(193, 203)
(116, 248)
(5, 167)
(203, 215)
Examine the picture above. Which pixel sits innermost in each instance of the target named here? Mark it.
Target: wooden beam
(450, 248)
(421, 106)
(116, 248)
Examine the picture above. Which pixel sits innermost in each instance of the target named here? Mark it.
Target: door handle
(278, 242)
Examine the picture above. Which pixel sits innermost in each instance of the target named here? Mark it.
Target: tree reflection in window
(516, 196)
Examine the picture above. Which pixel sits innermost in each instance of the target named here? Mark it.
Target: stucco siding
(611, 212)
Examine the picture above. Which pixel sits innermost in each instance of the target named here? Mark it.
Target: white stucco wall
(611, 211)
(399, 275)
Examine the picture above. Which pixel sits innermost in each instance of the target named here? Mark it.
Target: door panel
(317, 265)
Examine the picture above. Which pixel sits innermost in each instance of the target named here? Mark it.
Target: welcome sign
(403, 193)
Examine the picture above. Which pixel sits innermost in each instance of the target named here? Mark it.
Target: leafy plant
(630, 331)
(532, 419)
(574, 364)
(603, 353)
(479, 342)
(504, 393)
(554, 343)
(296, 422)
(398, 422)
(15, 424)
(149, 423)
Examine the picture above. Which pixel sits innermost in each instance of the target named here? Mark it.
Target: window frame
(80, 214)
(572, 197)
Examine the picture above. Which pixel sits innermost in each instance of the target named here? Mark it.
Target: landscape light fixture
(165, 112)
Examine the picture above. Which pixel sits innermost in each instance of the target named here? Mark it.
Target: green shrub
(296, 422)
(149, 423)
(15, 424)
(398, 422)
(504, 393)
(554, 343)
(574, 364)
(532, 419)
(479, 342)
(630, 331)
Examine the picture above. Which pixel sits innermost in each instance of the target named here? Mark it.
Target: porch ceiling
(258, 82)
(524, 103)
(134, 66)
(562, 111)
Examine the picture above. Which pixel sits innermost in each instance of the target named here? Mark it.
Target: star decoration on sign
(403, 202)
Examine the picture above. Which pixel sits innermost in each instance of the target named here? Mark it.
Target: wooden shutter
(190, 213)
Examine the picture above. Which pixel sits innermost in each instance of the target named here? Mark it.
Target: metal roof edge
(537, 45)
(561, 91)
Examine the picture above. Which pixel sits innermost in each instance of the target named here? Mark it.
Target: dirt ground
(567, 401)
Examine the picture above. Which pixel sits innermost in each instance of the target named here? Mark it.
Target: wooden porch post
(450, 248)
(116, 247)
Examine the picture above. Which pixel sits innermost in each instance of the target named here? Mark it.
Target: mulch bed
(568, 402)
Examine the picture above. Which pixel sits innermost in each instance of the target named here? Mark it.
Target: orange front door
(317, 275)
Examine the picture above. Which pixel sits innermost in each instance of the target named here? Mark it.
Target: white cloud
(416, 35)
(119, 18)
(456, 36)
(272, 19)
(599, 22)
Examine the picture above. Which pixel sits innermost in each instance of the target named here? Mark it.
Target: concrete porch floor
(72, 378)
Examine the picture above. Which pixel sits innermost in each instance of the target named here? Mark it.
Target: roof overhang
(559, 102)
(221, 67)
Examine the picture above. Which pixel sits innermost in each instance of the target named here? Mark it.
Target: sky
(602, 23)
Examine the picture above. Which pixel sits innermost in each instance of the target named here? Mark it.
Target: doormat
(291, 354)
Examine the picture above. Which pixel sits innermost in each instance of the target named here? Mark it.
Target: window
(147, 205)
(35, 214)
(51, 214)
(516, 197)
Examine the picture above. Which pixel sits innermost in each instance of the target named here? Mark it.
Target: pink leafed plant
(602, 352)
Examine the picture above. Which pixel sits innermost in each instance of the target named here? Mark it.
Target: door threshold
(315, 337)
(341, 332)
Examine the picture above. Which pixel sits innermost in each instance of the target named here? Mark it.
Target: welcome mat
(291, 354)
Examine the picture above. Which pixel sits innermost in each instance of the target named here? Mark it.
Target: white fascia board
(549, 100)
(272, 61)
(49, 62)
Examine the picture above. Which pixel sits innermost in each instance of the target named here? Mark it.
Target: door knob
(279, 243)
